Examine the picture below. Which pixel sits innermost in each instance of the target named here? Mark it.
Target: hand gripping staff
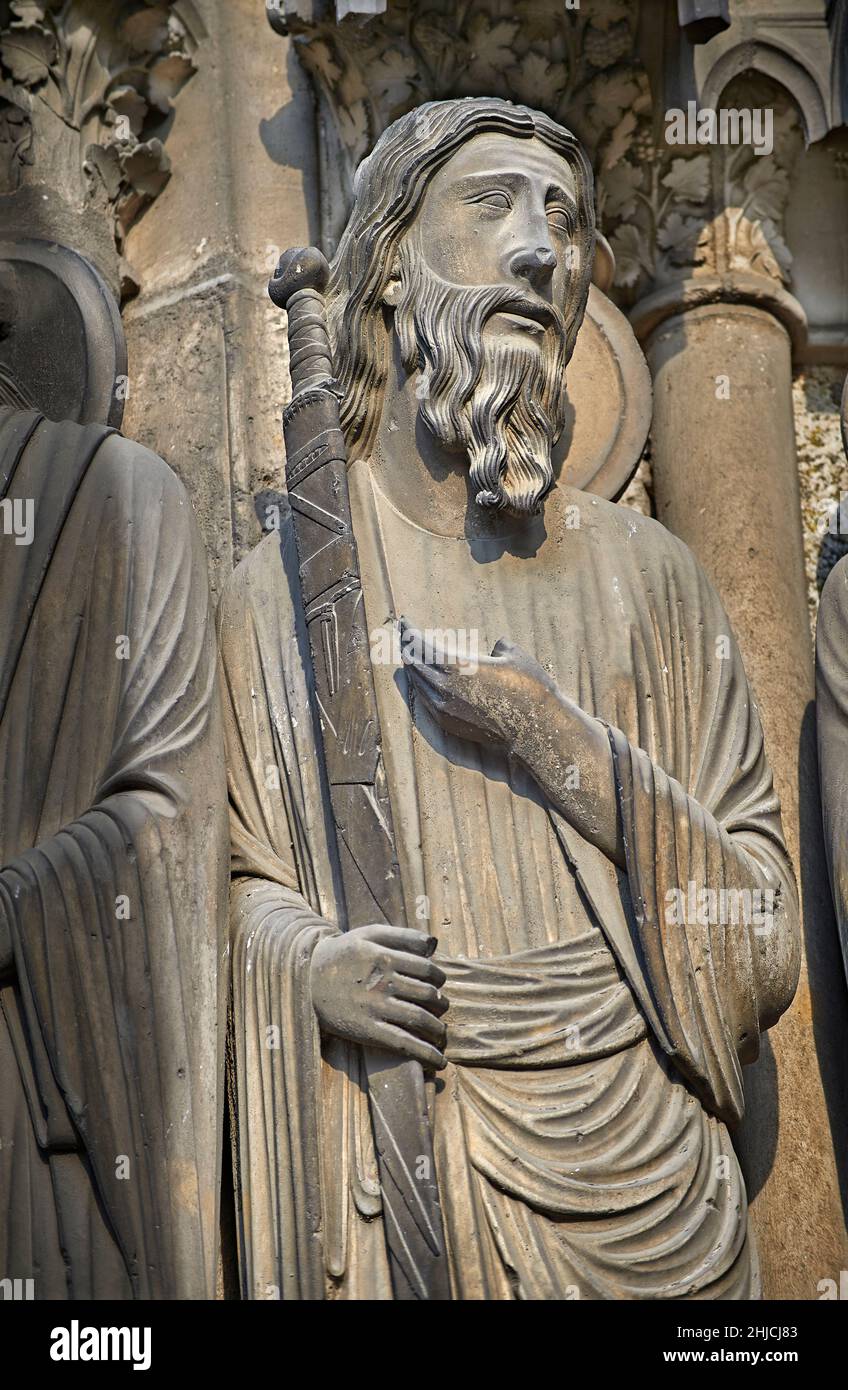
(331, 593)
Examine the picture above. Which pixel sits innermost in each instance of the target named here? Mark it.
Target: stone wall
(823, 472)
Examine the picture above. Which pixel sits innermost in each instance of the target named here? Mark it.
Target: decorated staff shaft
(331, 593)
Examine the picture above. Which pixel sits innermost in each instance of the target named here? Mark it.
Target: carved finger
(425, 673)
(407, 1045)
(399, 938)
(415, 1020)
(418, 992)
(445, 703)
(430, 658)
(417, 969)
(459, 718)
(411, 640)
(505, 648)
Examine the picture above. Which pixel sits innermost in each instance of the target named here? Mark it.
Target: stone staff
(331, 593)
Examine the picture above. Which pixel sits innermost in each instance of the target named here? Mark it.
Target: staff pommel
(301, 268)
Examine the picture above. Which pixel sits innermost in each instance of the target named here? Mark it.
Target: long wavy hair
(389, 186)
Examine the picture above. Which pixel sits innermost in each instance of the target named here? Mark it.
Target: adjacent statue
(113, 855)
(832, 718)
(585, 819)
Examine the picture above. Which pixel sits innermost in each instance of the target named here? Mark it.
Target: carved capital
(797, 43)
(85, 97)
(672, 212)
(677, 213)
(575, 63)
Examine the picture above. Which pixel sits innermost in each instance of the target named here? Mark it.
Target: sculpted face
(502, 212)
(479, 287)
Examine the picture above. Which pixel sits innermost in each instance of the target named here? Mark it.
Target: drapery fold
(595, 1037)
(112, 875)
(710, 970)
(302, 1146)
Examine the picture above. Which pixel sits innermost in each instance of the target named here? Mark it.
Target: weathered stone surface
(690, 227)
(822, 474)
(113, 843)
(113, 881)
(85, 96)
(207, 353)
(180, 147)
(62, 346)
(726, 481)
(451, 331)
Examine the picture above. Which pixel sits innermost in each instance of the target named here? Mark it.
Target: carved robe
(595, 1041)
(112, 875)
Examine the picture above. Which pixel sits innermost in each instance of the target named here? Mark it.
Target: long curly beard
(500, 401)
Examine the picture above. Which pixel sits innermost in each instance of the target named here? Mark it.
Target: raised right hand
(377, 986)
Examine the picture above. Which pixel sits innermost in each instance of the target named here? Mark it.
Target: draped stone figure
(586, 820)
(832, 719)
(113, 863)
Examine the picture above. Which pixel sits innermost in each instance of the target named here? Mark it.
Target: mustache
(503, 300)
(440, 327)
(478, 302)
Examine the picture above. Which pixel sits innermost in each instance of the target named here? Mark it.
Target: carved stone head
(469, 249)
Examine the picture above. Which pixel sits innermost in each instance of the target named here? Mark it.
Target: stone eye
(561, 218)
(495, 198)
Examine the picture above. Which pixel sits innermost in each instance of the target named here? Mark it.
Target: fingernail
(432, 943)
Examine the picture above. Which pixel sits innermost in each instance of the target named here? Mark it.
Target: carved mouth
(531, 316)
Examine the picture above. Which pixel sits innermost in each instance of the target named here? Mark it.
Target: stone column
(726, 482)
(207, 349)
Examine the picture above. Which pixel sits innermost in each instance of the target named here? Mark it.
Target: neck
(427, 483)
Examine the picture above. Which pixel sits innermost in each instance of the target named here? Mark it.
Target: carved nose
(536, 264)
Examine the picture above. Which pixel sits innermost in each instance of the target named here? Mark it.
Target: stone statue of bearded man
(586, 820)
